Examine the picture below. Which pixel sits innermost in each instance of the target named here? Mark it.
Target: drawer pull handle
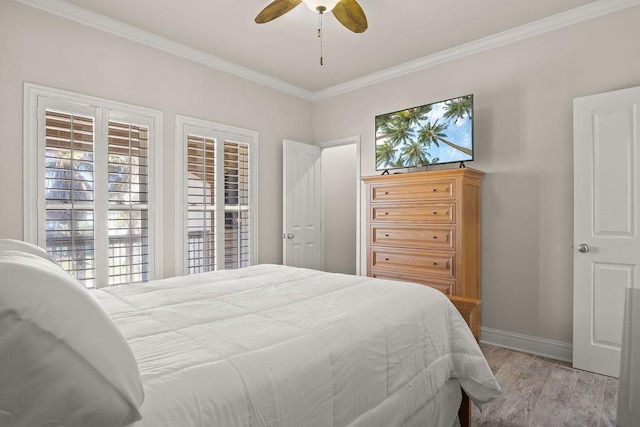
(386, 259)
(435, 213)
(386, 192)
(386, 235)
(434, 190)
(435, 263)
(435, 237)
(386, 213)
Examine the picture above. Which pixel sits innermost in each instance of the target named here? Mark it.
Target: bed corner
(469, 308)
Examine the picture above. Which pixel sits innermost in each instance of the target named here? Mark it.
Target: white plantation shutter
(128, 203)
(236, 205)
(69, 193)
(90, 167)
(201, 196)
(219, 189)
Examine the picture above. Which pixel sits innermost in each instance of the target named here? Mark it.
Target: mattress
(270, 345)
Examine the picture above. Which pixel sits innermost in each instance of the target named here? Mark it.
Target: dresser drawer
(425, 213)
(410, 192)
(420, 237)
(413, 261)
(445, 286)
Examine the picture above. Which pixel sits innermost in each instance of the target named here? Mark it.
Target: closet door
(302, 235)
(606, 220)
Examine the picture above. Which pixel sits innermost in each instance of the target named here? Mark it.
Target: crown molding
(100, 22)
(551, 23)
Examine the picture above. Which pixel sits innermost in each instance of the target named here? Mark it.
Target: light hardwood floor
(542, 392)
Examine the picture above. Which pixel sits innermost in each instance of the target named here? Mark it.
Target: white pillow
(19, 245)
(62, 359)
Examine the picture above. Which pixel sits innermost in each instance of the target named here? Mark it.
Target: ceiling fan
(347, 12)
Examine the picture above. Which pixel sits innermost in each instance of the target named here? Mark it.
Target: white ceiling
(288, 49)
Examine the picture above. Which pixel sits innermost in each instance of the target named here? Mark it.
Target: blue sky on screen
(458, 131)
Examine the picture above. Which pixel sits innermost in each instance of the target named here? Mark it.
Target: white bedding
(277, 346)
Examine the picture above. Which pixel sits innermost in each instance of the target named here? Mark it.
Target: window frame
(183, 126)
(33, 177)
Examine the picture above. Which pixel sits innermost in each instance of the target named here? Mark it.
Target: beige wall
(339, 182)
(41, 48)
(524, 141)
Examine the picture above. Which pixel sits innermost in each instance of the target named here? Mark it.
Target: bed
(266, 345)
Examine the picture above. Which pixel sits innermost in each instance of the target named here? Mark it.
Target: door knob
(583, 248)
(290, 236)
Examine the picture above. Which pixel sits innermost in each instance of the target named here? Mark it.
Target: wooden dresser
(424, 227)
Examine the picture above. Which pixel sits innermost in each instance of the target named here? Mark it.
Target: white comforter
(278, 346)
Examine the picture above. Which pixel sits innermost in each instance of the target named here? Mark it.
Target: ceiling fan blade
(275, 9)
(351, 15)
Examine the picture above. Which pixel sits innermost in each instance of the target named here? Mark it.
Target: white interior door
(606, 243)
(302, 211)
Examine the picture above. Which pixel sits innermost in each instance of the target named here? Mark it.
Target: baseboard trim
(557, 350)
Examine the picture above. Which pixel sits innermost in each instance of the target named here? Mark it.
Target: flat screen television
(431, 134)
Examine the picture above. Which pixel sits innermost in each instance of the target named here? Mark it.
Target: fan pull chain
(320, 10)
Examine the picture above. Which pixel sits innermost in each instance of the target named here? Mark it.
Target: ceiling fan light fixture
(328, 5)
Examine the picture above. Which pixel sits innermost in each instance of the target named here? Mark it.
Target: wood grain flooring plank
(552, 407)
(497, 357)
(508, 374)
(544, 392)
(486, 349)
(529, 386)
(586, 402)
(496, 423)
(609, 404)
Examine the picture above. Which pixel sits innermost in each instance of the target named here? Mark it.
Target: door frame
(349, 140)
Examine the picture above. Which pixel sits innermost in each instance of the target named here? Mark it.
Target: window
(217, 186)
(95, 211)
